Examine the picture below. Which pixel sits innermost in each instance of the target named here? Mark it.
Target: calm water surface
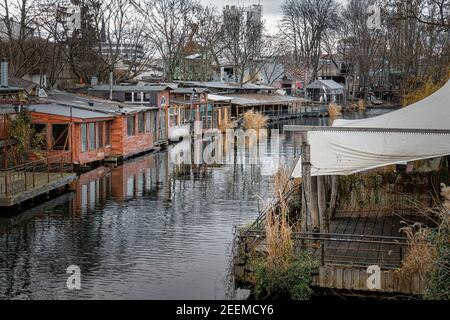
(145, 230)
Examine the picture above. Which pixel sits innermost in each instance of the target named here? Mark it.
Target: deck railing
(35, 173)
(343, 249)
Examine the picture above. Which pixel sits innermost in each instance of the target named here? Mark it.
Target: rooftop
(131, 88)
(228, 85)
(329, 84)
(95, 104)
(262, 99)
(67, 111)
(189, 90)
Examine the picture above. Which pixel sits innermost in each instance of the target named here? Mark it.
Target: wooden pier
(27, 181)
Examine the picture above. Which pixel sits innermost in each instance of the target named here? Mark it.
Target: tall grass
(429, 250)
(254, 120)
(420, 88)
(361, 105)
(334, 110)
(226, 124)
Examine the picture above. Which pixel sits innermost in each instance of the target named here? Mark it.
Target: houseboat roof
(10, 89)
(131, 88)
(96, 104)
(26, 85)
(262, 99)
(329, 84)
(67, 111)
(189, 90)
(228, 85)
(7, 109)
(218, 98)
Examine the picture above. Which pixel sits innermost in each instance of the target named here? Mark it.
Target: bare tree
(305, 23)
(245, 45)
(434, 13)
(169, 25)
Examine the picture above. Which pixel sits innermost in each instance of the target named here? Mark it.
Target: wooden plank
(355, 279)
(347, 278)
(388, 281)
(363, 279)
(339, 278)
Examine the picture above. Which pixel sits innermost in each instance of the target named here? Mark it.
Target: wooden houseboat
(85, 133)
(133, 128)
(186, 106)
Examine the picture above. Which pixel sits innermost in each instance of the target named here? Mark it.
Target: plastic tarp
(347, 152)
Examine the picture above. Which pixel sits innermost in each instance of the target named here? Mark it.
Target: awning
(419, 131)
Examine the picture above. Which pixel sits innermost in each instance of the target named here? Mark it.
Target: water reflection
(147, 229)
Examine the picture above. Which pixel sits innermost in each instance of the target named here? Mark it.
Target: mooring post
(306, 182)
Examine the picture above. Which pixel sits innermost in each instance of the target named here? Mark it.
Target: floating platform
(17, 186)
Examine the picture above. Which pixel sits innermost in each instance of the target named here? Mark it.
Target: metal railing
(344, 249)
(35, 173)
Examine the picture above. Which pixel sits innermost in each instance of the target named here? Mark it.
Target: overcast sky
(271, 9)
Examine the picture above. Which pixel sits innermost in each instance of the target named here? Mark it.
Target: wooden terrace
(24, 182)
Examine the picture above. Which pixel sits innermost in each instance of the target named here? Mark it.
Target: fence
(342, 249)
(33, 174)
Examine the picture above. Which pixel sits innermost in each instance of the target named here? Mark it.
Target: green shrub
(292, 280)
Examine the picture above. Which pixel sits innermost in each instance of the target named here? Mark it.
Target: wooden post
(333, 197)
(322, 206)
(306, 183)
(315, 216)
(6, 182)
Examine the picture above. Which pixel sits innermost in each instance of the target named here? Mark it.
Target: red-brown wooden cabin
(136, 127)
(86, 133)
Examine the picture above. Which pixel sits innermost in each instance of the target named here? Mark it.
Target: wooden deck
(22, 186)
(356, 241)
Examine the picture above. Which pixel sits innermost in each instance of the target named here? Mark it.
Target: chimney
(3, 73)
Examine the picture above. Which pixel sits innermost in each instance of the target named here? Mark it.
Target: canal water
(148, 229)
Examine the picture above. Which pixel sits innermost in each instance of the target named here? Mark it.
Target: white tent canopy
(344, 152)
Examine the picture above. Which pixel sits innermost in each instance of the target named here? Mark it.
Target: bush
(292, 280)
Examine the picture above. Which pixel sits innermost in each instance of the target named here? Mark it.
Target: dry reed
(420, 256)
(254, 120)
(227, 124)
(279, 243)
(334, 109)
(426, 88)
(361, 105)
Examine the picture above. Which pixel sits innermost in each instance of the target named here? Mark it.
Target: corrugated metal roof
(96, 104)
(66, 111)
(189, 90)
(131, 88)
(216, 97)
(329, 84)
(229, 85)
(261, 99)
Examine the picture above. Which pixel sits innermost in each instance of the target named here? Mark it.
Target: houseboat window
(147, 122)
(40, 136)
(83, 137)
(130, 125)
(141, 122)
(155, 124)
(60, 135)
(108, 133)
(162, 125)
(173, 117)
(100, 134)
(128, 96)
(92, 144)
